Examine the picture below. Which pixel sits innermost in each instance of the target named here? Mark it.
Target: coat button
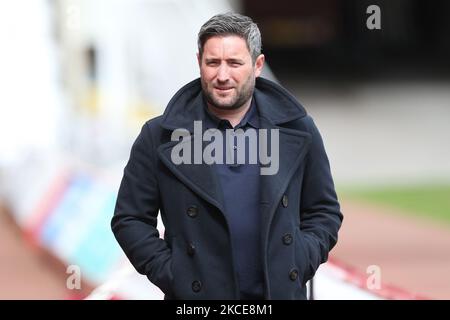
(196, 286)
(191, 249)
(287, 239)
(192, 211)
(293, 274)
(284, 201)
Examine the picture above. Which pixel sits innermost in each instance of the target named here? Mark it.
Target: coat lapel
(201, 178)
(293, 146)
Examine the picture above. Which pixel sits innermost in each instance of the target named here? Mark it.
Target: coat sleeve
(135, 215)
(320, 212)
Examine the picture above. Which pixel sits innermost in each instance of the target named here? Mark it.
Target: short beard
(243, 96)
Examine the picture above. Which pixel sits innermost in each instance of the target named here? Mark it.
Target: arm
(135, 215)
(320, 211)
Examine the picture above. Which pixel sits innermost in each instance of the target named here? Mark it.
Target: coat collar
(273, 102)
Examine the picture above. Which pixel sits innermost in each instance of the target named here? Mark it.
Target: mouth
(223, 89)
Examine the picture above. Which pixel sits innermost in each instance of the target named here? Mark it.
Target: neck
(234, 116)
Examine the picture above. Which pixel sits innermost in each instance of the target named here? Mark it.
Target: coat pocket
(180, 268)
(302, 257)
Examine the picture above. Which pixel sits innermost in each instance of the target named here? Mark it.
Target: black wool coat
(300, 211)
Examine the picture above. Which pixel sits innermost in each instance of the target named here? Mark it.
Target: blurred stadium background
(80, 77)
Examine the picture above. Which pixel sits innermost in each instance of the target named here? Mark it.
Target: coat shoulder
(154, 131)
(305, 123)
(153, 124)
(152, 128)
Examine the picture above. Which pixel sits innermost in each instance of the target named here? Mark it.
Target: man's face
(227, 71)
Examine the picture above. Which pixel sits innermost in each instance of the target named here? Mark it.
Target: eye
(235, 63)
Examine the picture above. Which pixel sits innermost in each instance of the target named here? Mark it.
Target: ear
(259, 64)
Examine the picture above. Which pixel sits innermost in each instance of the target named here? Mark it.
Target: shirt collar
(251, 118)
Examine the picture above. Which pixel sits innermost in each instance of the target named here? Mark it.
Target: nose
(223, 73)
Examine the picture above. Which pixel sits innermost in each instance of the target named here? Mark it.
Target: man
(232, 230)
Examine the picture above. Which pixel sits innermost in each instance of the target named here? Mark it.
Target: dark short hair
(231, 24)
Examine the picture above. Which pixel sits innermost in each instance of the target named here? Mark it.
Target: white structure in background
(126, 283)
(31, 104)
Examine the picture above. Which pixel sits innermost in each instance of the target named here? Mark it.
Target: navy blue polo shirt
(240, 184)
